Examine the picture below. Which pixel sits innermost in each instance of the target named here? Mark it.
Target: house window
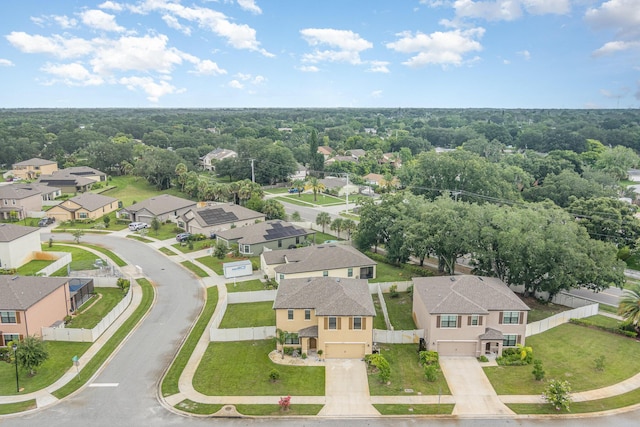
(8, 317)
(279, 243)
(292, 339)
(281, 276)
(82, 215)
(297, 240)
(474, 320)
(357, 323)
(246, 249)
(325, 273)
(10, 337)
(333, 323)
(510, 340)
(290, 314)
(13, 201)
(350, 272)
(510, 317)
(449, 321)
(307, 314)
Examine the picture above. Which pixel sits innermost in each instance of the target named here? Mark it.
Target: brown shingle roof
(329, 296)
(223, 213)
(18, 192)
(11, 232)
(91, 201)
(466, 294)
(35, 162)
(162, 204)
(262, 232)
(21, 292)
(314, 258)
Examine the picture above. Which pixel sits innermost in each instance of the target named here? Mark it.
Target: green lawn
(140, 238)
(246, 286)
(91, 314)
(390, 273)
(81, 259)
(166, 251)
(195, 269)
(306, 199)
(399, 310)
(276, 411)
(604, 321)
(216, 264)
(12, 408)
(242, 369)
(93, 224)
(32, 267)
(415, 409)
(249, 315)
(619, 401)
(378, 321)
(196, 246)
(321, 237)
(568, 352)
(60, 354)
(132, 189)
(540, 310)
(197, 407)
(115, 258)
(170, 380)
(166, 231)
(406, 373)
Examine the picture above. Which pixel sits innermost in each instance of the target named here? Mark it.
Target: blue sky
(328, 53)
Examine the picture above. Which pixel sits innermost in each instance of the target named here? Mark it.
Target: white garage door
(457, 348)
(344, 351)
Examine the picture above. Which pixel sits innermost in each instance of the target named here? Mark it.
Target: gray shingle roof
(21, 292)
(262, 232)
(314, 258)
(491, 334)
(81, 171)
(162, 204)
(35, 162)
(17, 192)
(329, 296)
(466, 294)
(223, 213)
(91, 201)
(63, 178)
(11, 232)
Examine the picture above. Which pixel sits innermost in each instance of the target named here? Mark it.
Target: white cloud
(172, 22)
(610, 48)
(100, 20)
(55, 45)
(623, 16)
(544, 7)
(6, 63)
(250, 5)
(254, 80)
(236, 84)
(154, 90)
(506, 62)
(111, 6)
(74, 74)
(442, 48)
(347, 43)
(209, 68)
(379, 66)
(525, 54)
(376, 94)
(509, 10)
(309, 68)
(65, 22)
(637, 94)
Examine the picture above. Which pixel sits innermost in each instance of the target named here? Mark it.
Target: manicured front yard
(242, 369)
(81, 258)
(246, 286)
(406, 374)
(216, 264)
(91, 314)
(249, 315)
(195, 269)
(32, 267)
(415, 409)
(568, 352)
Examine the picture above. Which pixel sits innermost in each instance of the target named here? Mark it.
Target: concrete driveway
(347, 389)
(471, 388)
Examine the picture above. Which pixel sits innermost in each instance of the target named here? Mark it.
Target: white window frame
(8, 314)
(335, 323)
(307, 314)
(508, 317)
(475, 320)
(448, 320)
(357, 319)
(290, 314)
(509, 337)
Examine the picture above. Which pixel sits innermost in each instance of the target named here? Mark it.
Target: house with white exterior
(17, 245)
(209, 160)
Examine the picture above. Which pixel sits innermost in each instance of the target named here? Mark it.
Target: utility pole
(347, 192)
(253, 172)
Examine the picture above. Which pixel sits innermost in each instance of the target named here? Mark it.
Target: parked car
(183, 237)
(135, 226)
(46, 221)
(293, 190)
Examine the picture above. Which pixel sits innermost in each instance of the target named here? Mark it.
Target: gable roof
(18, 192)
(11, 232)
(220, 154)
(325, 149)
(62, 179)
(36, 161)
(315, 258)
(91, 201)
(329, 296)
(36, 187)
(222, 213)
(162, 204)
(21, 292)
(466, 294)
(262, 232)
(81, 171)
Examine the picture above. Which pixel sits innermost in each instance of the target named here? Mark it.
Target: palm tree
(629, 306)
(337, 225)
(298, 184)
(181, 170)
(323, 219)
(316, 186)
(348, 225)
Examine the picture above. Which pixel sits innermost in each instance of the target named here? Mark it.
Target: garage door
(457, 348)
(344, 351)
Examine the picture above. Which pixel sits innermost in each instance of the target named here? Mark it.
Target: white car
(135, 226)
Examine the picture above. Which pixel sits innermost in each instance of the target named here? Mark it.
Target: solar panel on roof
(281, 232)
(217, 216)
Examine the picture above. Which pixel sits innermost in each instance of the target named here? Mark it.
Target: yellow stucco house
(33, 168)
(87, 206)
(331, 314)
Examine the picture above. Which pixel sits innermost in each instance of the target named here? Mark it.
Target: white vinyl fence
(397, 337)
(560, 318)
(65, 259)
(87, 335)
(241, 334)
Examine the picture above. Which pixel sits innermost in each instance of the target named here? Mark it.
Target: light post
(15, 357)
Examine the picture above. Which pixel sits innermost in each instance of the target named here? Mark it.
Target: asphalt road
(124, 392)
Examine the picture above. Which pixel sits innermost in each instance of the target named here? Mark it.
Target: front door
(487, 348)
(312, 344)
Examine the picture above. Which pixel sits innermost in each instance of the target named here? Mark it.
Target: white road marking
(104, 384)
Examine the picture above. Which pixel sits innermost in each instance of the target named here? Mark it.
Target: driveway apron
(347, 389)
(471, 388)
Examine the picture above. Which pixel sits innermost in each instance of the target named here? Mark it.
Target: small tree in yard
(281, 338)
(155, 225)
(220, 250)
(323, 219)
(31, 353)
(274, 375)
(381, 364)
(123, 284)
(107, 221)
(558, 393)
(77, 235)
(538, 371)
(285, 403)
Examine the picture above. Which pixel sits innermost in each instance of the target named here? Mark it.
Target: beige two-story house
(86, 206)
(33, 168)
(21, 200)
(326, 260)
(325, 313)
(468, 315)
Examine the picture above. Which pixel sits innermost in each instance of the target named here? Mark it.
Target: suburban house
(47, 193)
(377, 179)
(86, 206)
(357, 153)
(274, 234)
(326, 151)
(300, 173)
(468, 315)
(164, 207)
(32, 168)
(17, 245)
(339, 185)
(86, 172)
(21, 200)
(327, 260)
(331, 314)
(28, 303)
(209, 160)
(392, 158)
(66, 182)
(334, 159)
(213, 218)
